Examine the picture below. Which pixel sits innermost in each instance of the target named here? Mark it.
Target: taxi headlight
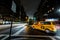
(54, 30)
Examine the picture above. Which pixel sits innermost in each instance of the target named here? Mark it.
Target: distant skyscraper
(46, 7)
(23, 14)
(5, 8)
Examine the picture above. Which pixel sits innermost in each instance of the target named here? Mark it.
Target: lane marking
(20, 26)
(20, 38)
(19, 31)
(57, 37)
(31, 35)
(52, 37)
(37, 36)
(24, 38)
(3, 35)
(15, 33)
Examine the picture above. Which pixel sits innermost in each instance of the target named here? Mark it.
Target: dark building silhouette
(5, 8)
(46, 7)
(23, 14)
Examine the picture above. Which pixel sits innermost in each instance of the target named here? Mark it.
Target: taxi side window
(42, 27)
(46, 23)
(37, 23)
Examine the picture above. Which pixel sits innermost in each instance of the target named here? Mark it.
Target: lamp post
(11, 27)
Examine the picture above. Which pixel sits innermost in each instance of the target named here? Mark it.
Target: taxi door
(43, 26)
(37, 25)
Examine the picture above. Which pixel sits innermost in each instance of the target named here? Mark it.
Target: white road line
(5, 37)
(19, 31)
(32, 35)
(57, 37)
(15, 33)
(9, 29)
(21, 39)
(52, 37)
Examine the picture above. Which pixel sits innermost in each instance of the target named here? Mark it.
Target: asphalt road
(23, 32)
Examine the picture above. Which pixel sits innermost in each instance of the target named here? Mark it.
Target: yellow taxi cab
(47, 26)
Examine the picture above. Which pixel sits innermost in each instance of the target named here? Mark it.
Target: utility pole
(11, 27)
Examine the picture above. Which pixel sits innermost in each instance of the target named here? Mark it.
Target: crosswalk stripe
(52, 37)
(58, 37)
(15, 33)
(19, 31)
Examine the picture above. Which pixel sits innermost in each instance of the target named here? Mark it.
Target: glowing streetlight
(48, 11)
(53, 8)
(58, 10)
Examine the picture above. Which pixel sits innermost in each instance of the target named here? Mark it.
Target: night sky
(30, 6)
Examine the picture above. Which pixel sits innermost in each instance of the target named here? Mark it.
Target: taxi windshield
(46, 23)
(53, 23)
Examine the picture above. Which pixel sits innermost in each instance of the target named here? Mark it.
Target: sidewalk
(9, 25)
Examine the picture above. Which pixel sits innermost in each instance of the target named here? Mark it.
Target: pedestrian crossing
(2, 36)
(28, 37)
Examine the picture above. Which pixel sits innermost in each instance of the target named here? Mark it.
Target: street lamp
(59, 10)
(53, 8)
